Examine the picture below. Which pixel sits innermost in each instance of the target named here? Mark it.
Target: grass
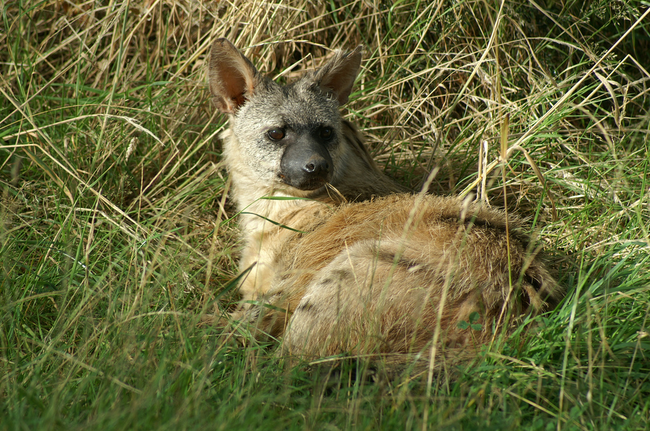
(117, 237)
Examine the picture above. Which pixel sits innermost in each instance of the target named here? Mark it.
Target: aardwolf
(337, 257)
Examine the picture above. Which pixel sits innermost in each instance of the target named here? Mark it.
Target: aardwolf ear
(232, 76)
(337, 75)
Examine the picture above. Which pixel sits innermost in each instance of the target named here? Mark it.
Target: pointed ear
(232, 76)
(337, 75)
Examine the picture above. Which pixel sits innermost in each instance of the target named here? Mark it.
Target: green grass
(117, 237)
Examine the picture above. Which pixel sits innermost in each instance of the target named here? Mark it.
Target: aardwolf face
(286, 138)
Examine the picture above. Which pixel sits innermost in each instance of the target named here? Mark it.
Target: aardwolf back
(337, 258)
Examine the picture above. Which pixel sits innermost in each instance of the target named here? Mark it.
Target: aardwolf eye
(326, 132)
(275, 134)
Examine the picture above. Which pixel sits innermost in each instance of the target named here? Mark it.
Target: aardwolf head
(286, 138)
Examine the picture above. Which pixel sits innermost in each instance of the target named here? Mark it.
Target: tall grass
(116, 236)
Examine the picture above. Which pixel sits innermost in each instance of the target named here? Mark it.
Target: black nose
(317, 167)
(305, 165)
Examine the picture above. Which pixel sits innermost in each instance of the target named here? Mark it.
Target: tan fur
(354, 265)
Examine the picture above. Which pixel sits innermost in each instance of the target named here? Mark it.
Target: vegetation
(117, 237)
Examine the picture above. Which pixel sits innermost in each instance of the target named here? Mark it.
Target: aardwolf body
(337, 258)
